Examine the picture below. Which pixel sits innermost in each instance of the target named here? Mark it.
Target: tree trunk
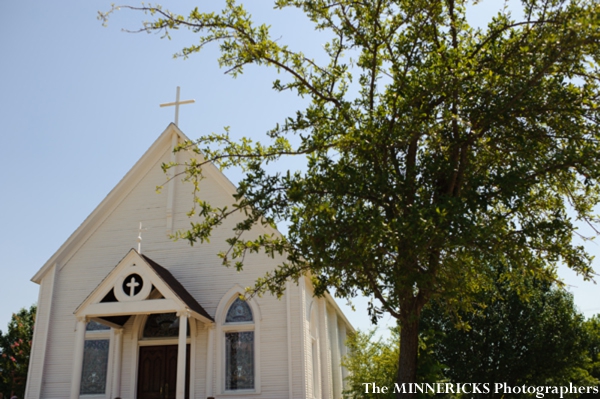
(409, 350)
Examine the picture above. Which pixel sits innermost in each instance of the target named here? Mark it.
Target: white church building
(166, 321)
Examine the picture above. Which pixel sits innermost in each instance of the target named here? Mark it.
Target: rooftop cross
(176, 104)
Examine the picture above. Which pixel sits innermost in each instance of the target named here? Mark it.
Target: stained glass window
(95, 364)
(95, 326)
(163, 325)
(239, 311)
(239, 355)
(239, 347)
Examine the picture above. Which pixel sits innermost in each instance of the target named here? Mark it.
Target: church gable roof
(165, 142)
(138, 285)
(177, 288)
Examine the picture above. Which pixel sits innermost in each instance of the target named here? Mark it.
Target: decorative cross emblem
(176, 104)
(132, 284)
(132, 287)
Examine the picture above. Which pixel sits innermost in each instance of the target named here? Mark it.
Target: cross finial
(176, 104)
(139, 239)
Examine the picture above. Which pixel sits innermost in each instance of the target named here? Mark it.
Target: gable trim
(175, 297)
(172, 134)
(111, 201)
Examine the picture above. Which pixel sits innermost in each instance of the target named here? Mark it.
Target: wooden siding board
(200, 357)
(200, 271)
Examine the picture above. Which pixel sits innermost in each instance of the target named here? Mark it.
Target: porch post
(181, 358)
(209, 359)
(78, 357)
(116, 388)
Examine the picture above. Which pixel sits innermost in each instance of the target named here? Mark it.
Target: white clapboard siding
(88, 256)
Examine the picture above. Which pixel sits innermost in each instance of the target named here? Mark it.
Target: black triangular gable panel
(110, 297)
(154, 291)
(118, 320)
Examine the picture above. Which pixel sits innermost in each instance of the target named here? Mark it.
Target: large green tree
(15, 348)
(592, 344)
(531, 336)
(372, 359)
(433, 148)
(534, 337)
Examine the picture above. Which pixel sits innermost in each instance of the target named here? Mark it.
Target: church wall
(325, 353)
(37, 360)
(84, 271)
(201, 339)
(309, 302)
(70, 290)
(127, 358)
(273, 333)
(297, 345)
(197, 268)
(211, 280)
(334, 348)
(212, 352)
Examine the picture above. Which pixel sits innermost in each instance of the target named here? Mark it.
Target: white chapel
(165, 320)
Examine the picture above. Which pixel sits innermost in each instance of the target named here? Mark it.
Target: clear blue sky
(79, 106)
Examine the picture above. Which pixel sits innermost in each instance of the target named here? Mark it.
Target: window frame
(222, 328)
(100, 335)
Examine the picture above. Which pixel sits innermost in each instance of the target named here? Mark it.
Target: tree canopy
(433, 148)
(15, 348)
(532, 337)
(535, 338)
(375, 360)
(370, 360)
(592, 343)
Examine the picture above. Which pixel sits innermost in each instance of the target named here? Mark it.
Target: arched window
(238, 330)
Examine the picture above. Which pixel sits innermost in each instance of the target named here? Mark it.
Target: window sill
(240, 392)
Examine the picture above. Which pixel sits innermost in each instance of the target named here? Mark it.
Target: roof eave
(110, 202)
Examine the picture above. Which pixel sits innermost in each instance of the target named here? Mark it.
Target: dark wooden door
(157, 372)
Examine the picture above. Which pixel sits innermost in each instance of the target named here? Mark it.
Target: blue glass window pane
(95, 364)
(239, 311)
(95, 326)
(239, 360)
